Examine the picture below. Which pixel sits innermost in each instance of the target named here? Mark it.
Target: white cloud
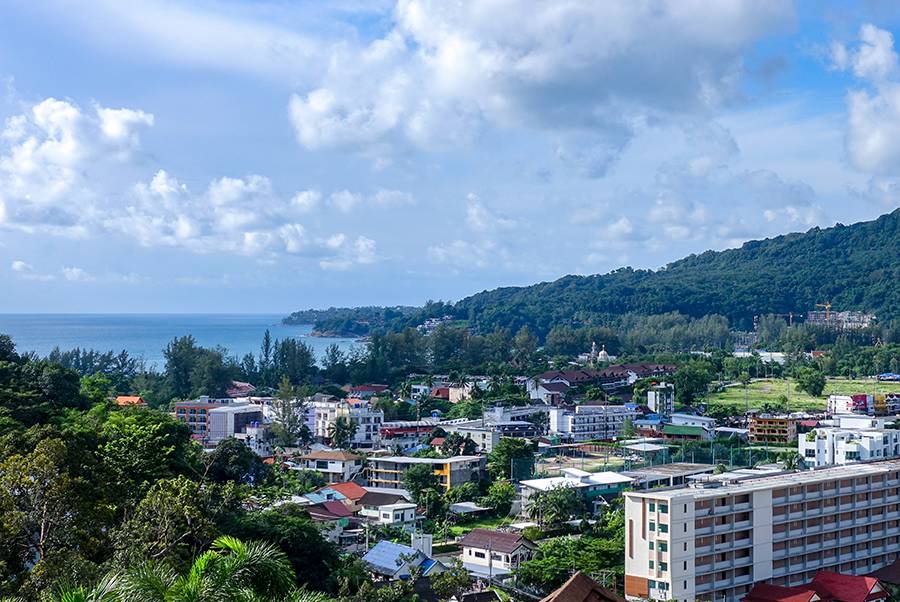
(361, 251)
(873, 133)
(306, 201)
(346, 201)
(21, 267)
(76, 274)
(592, 73)
(481, 219)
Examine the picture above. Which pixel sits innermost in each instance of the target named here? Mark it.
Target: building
(591, 422)
(851, 404)
(661, 399)
(239, 389)
(487, 553)
(394, 561)
(484, 434)
(852, 438)
(770, 428)
(228, 421)
(335, 466)
(713, 541)
(592, 485)
(359, 412)
(667, 475)
(581, 588)
(196, 414)
(826, 586)
(365, 391)
(400, 513)
(403, 434)
(679, 432)
(842, 320)
(387, 472)
(130, 400)
(705, 422)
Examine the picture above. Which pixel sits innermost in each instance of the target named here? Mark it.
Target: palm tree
(791, 461)
(341, 431)
(405, 390)
(231, 571)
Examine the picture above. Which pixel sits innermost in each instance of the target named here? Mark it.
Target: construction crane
(827, 307)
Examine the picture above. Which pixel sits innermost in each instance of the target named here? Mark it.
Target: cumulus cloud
(873, 132)
(346, 201)
(590, 73)
(76, 274)
(481, 219)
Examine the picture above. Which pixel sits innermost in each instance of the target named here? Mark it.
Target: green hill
(854, 267)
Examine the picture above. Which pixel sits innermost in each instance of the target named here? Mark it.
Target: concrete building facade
(589, 422)
(713, 541)
(851, 438)
(387, 472)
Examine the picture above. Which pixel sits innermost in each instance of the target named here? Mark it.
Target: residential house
(130, 400)
(487, 553)
(400, 513)
(336, 466)
(581, 588)
(365, 391)
(372, 501)
(825, 586)
(593, 486)
(391, 560)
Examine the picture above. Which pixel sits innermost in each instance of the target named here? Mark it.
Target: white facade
(713, 541)
(691, 420)
(661, 399)
(367, 420)
(851, 404)
(231, 420)
(590, 422)
(396, 514)
(852, 439)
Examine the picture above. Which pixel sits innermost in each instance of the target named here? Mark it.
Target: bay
(145, 336)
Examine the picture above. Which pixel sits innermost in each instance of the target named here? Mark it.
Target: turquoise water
(146, 335)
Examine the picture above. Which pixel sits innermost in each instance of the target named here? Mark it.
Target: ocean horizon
(145, 335)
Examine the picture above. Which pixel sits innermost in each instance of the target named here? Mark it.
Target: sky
(272, 155)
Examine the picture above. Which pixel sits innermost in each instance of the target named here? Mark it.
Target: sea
(145, 336)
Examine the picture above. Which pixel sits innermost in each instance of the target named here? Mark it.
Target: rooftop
(675, 469)
(574, 479)
(333, 455)
(784, 479)
(496, 541)
(581, 588)
(409, 460)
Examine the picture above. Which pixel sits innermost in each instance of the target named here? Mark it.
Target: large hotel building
(712, 540)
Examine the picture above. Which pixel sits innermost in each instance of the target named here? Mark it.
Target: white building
(713, 541)
(661, 399)
(851, 404)
(587, 423)
(231, 420)
(591, 485)
(360, 413)
(852, 438)
(487, 553)
(336, 466)
(691, 420)
(403, 513)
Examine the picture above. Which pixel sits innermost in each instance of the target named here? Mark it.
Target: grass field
(769, 390)
(481, 523)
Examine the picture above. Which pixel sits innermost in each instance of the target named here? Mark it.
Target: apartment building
(850, 438)
(851, 404)
(387, 472)
(335, 465)
(359, 412)
(195, 413)
(590, 422)
(713, 540)
(770, 428)
(661, 399)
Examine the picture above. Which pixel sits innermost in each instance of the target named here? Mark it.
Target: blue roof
(385, 556)
(325, 495)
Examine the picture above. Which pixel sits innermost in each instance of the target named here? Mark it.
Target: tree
(289, 527)
(692, 381)
(289, 424)
(810, 381)
(418, 478)
(555, 557)
(467, 492)
(500, 497)
(557, 505)
(791, 460)
(511, 454)
(456, 445)
(233, 461)
(341, 431)
(453, 582)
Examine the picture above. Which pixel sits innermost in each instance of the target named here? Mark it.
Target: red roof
(329, 510)
(349, 490)
(766, 592)
(847, 588)
(441, 393)
(239, 389)
(438, 441)
(484, 539)
(809, 423)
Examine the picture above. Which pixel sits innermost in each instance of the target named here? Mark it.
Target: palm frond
(148, 582)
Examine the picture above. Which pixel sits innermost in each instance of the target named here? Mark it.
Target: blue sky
(266, 156)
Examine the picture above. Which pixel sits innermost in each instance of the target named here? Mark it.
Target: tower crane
(827, 307)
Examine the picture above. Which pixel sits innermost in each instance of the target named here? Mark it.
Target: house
(401, 513)
(679, 432)
(825, 586)
(769, 428)
(387, 472)
(239, 389)
(351, 491)
(393, 561)
(364, 391)
(487, 553)
(372, 501)
(334, 518)
(592, 486)
(853, 438)
(581, 588)
(706, 422)
(130, 400)
(336, 466)
(551, 394)
(441, 393)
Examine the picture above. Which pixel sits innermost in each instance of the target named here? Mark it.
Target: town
(694, 504)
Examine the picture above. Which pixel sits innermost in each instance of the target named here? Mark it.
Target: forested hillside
(853, 267)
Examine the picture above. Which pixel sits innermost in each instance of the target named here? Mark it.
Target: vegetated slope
(853, 267)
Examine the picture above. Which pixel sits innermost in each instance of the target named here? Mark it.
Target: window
(652, 526)
(651, 545)
(663, 528)
(480, 555)
(663, 546)
(652, 507)
(664, 508)
(664, 566)
(651, 565)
